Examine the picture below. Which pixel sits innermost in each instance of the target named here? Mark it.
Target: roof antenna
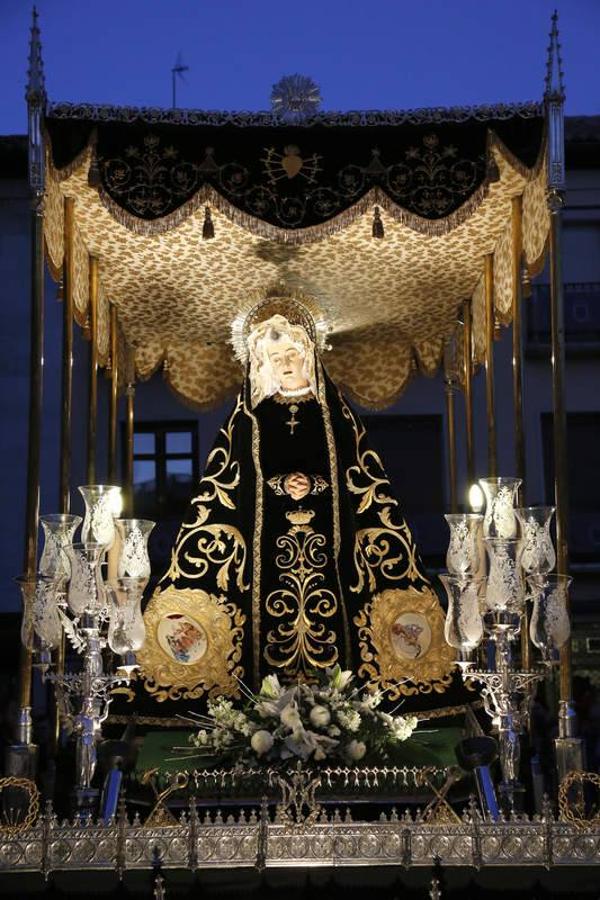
(178, 69)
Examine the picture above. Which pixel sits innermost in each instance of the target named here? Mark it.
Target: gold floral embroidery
(374, 550)
(216, 545)
(202, 545)
(302, 642)
(387, 547)
(227, 477)
(359, 477)
(402, 646)
(193, 645)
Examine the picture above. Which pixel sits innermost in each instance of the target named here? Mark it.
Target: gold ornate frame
(379, 661)
(216, 672)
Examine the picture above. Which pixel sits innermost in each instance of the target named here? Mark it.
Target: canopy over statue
(294, 555)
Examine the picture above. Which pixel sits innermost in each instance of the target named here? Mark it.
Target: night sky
(362, 53)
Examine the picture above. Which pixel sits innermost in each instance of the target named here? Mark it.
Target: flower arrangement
(328, 720)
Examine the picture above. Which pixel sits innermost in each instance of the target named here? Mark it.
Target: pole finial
(36, 82)
(554, 88)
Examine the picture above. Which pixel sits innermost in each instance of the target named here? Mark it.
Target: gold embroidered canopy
(384, 219)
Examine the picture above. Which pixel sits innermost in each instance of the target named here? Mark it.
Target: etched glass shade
(537, 555)
(102, 505)
(463, 628)
(134, 561)
(40, 626)
(505, 586)
(126, 630)
(58, 530)
(464, 554)
(499, 520)
(86, 588)
(550, 627)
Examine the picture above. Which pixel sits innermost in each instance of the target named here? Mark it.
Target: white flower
(349, 719)
(261, 742)
(201, 739)
(290, 716)
(267, 709)
(369, 701)
(338, 679)
(320, 716)
(402, 726)
(356, 750)
(270, 687)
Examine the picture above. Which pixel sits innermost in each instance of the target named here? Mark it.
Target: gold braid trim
(256, 540)
(335, 499)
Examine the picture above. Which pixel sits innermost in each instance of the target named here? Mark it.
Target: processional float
(503, 597)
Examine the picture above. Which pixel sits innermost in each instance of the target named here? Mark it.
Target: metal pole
(468, 387)
(114, 398)
(489, 364)
(517, 373)
(450, 387)
(569, 748)
(93, 371)
(129, 423)
(559, 417)
(67, 359)
(21, 757)
(517, 340)
(64, 480)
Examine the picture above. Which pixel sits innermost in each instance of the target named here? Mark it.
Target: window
(165, 468)
(412, 451)
(583, 460)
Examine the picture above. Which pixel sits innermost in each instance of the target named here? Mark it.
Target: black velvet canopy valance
(292, 175)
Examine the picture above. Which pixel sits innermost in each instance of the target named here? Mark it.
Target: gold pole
(93, 371)
(32, 503)
(517, 372)
(468, 387)
(517, 341)
(66, 405)
(114, 399)
(67, 359)
(489, 364)
(559, 419)
(129, 449)
(450, 385)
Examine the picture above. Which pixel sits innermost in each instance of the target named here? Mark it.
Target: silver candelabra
(498, 562)
(89, 592)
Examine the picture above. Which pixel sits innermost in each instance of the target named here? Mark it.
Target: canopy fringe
(376, 196)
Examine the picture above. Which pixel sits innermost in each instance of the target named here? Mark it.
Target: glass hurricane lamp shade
(537, 554)
(505, 588)
(465, 555)
(103, 503)
(58, 531)
(40, 626)
(126, 630)
(463, 628)
(86, 591)
(134, 561)
(550, 627)
(499, 520)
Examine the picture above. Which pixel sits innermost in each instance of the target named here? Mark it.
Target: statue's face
(287, 363)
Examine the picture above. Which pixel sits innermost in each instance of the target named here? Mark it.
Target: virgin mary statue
(294, 555)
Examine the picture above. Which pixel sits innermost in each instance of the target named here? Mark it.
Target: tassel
(94, 173)
(378, 231)
(208, 229)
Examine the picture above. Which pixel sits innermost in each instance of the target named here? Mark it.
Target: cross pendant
(293, 421)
